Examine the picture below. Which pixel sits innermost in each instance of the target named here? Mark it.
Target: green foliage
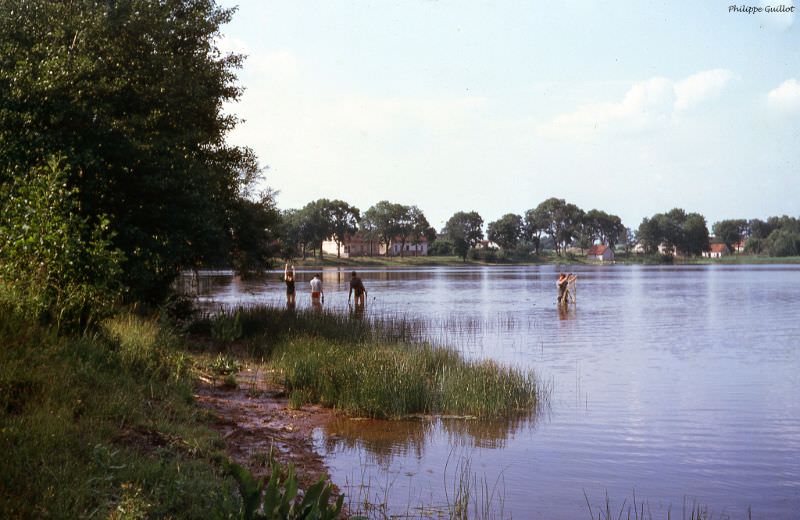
(103, 426)
(603, 227)
(224, 365)
(344, 220)
(506, 231)
(254, 225)
(388, 221)
(279, 498)
(536, 223)
(441, 247)
(387, 380)
(227, 326)
(61, 267)
(132, 93)
(465, 230)
(560, 220)
(730, 232)
(676, 230)
(378, 367)
(783, 242)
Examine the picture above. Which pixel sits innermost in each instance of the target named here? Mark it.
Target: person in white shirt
(316, 288)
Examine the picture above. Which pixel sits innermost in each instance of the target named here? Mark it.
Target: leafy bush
(441, 247)
(783, 242)
(58, 266)
(278, 498)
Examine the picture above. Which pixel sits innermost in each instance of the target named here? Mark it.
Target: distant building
(716, 251)
(600, 252)
(420, 248)
(357, 245)
(486, 244)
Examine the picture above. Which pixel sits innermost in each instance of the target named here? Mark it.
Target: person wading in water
(288, 277)
(357, 287)
(316, 291)
(561, 283)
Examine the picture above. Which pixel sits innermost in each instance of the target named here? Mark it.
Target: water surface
(681, 384)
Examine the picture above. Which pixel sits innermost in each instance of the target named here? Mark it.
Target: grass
(377, 367)
(104, 425)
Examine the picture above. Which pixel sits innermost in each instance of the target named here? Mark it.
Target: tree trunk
(338, 249)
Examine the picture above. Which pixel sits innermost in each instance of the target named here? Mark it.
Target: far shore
(570, 259)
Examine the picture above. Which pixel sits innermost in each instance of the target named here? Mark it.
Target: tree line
(302, 231)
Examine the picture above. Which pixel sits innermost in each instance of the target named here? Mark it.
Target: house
(486, 244)
(716, 251)
(412, 247)
(600, 252)
(353, 245)
(358, 245)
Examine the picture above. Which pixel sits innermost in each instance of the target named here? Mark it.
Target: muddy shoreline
(254, 417)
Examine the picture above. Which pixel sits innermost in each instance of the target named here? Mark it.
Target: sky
(633, 108)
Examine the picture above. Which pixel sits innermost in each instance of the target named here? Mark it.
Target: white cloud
(228, 44)
(700, 87)
(647, 104)
(786, 96)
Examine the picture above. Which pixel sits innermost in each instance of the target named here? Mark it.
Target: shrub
(58, 266)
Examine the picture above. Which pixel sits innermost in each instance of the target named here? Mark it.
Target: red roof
(597, 250)
(719, 248)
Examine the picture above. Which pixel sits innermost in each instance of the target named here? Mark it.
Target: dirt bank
(254, 416)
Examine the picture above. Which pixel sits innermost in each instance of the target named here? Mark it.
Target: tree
(254, 233)
(344, 222)
(289, 232)
(649, 235)
(604, 227)
(536, 223)
(671, 226)
(420, 228)
(695, 234)
(390, 221)
(759, 229)
(131, 93)
(316, 224)
(563, 221)
(628, 238)
(506, 231)
(465, 230)
(730, 232)
(783, 242)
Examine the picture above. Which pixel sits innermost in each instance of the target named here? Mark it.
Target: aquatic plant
(280, 498)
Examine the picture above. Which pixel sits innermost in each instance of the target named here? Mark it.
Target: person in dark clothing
(357, 287)
(561, 283)
(288, 277)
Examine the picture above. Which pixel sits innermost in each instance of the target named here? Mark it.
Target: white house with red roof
(716, 251)
(600, 252)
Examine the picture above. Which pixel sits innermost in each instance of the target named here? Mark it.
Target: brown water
(681, 384)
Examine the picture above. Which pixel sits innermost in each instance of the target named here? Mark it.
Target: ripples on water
(674, 382)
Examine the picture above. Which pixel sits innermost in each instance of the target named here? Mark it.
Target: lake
(679, 384)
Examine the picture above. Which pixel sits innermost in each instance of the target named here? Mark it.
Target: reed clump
(380, 367)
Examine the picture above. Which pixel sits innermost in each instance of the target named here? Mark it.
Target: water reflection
(385, 440)
(674, 380)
